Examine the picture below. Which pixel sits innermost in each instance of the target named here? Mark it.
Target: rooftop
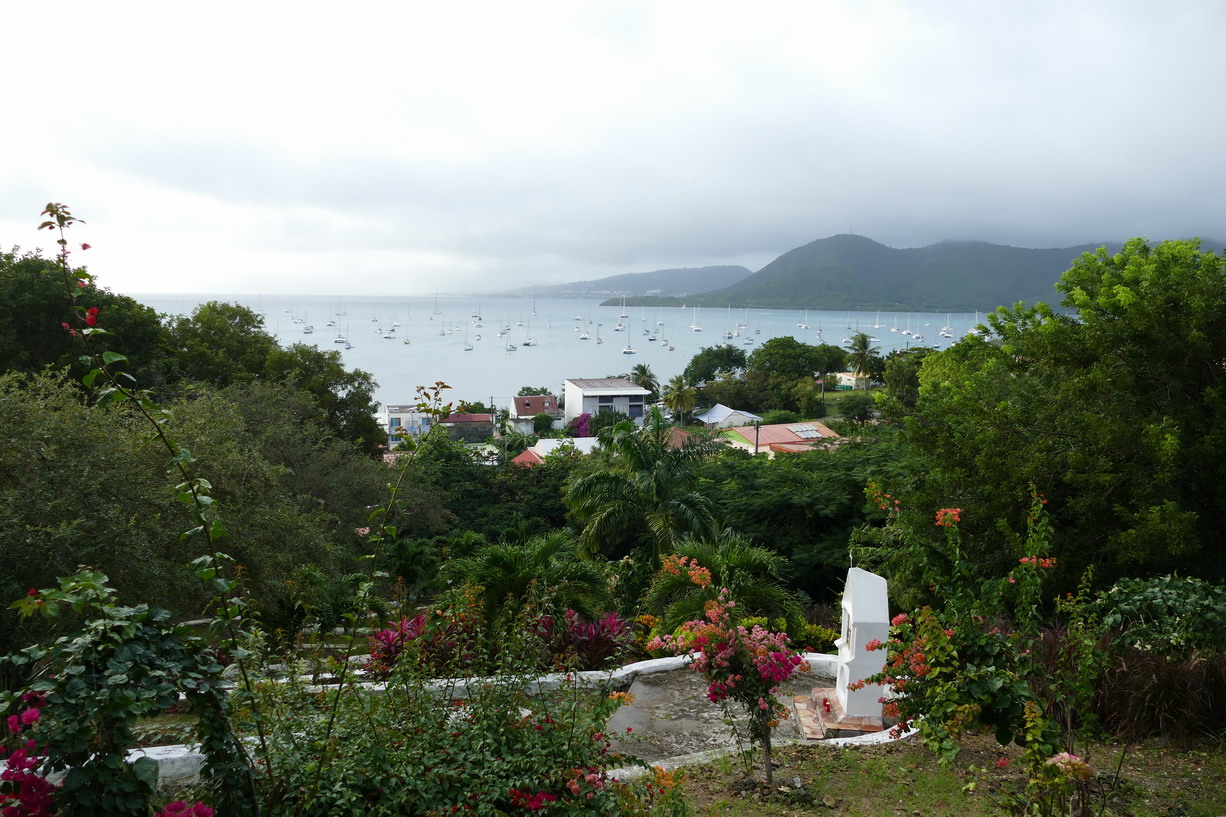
(611, 384)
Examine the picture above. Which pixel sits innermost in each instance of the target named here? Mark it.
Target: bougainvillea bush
(742, 665)
(444, 638)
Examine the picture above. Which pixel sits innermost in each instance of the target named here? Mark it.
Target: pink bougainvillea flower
(85, 246)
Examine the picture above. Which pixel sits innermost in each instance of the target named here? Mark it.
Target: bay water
(428, 336)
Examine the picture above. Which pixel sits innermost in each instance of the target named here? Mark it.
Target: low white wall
(180, 764)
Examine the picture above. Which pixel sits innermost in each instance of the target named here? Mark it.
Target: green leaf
(110, 357)
(146, 770)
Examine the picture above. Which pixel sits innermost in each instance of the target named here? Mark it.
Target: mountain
(854, 272)
(664, 282)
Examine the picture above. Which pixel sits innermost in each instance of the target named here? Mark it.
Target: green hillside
(853, 272)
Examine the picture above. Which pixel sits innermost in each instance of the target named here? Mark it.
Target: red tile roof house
(524, 410)
(786, 438)
(469, 428)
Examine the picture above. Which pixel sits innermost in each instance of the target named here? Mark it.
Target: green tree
(642, 375)
(221, 343)
(287, 491)
(803, 506)
(1113, 412)
(857, 408)
(902, 380)
(862, 356)
(779, 366)
(542, 424)
(729, 389)
(546, 570)
(679, 398)
(534, 391)
(33, 309)
(754, 577)
(645, 497)
(712, 360)
(346, 397)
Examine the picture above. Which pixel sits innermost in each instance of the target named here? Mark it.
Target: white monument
(866, 616)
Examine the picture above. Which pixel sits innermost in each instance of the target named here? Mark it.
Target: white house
(525, 409)
(720, 416)
(596, 395)
(412, 422)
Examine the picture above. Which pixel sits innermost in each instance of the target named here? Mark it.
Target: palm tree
(860, 356)
(644, 377)
(680, 398)
(547, 565)
(647, 493)
(752, 574)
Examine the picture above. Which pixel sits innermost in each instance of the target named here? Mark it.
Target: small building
(845, 381)
(596, 395)
(469, 428)
(785, 438)
(720, 416)
(403, 420)
(524, 410)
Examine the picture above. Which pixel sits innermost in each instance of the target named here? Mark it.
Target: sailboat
(804, 324)
(694, 326)
(623, 314)
(599, 340)
(528, 341)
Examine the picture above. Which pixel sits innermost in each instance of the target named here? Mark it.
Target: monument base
(821, 716)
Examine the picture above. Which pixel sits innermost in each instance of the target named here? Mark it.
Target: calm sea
(429, 340)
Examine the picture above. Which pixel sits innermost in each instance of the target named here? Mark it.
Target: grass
(905, 779)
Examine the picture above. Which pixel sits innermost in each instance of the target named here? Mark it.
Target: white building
(413, 422)
(720, 416)
(596, 395)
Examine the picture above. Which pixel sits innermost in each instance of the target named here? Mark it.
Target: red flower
(91, 316)
(85, 246)
(948, 517)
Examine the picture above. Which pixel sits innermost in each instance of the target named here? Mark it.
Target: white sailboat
(695, 326)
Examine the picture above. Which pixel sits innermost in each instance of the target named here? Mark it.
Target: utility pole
(757, 429)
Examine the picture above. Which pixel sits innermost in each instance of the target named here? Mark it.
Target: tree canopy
(1115, 412)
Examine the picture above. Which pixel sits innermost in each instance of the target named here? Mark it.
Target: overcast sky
(400, 148)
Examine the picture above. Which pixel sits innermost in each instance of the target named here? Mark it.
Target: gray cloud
(563, 142)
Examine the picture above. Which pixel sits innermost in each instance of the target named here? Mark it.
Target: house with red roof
(784, 438)
(524, 410)
(469, 428)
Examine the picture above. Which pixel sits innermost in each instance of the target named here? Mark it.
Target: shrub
(1168, 615)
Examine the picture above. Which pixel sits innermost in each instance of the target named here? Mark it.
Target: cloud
(307, 145)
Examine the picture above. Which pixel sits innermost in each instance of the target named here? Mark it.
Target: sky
(410, 147)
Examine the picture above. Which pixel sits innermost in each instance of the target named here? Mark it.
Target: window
(605, 399)
(394, 423)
